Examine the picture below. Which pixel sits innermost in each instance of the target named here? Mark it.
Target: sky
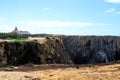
(68, 17)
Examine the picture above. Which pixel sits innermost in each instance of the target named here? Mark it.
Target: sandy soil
(58, 72)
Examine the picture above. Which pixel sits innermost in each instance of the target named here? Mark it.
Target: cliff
(41, 51)
(61, 50)
(92, 49)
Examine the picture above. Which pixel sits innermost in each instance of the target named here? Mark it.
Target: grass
(16, 40)
(19, 41)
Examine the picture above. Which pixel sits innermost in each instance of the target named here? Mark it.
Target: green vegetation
(19, 40)
(12, 36)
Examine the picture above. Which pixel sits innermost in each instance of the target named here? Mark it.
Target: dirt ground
(62, 72)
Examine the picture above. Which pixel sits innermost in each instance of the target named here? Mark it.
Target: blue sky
(71, 17)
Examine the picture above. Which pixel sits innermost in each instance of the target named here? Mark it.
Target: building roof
(20, 32)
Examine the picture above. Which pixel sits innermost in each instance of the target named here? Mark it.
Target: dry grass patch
(51, 72)
(106, 72)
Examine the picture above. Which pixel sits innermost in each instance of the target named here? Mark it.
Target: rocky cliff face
(43, 51)
(61, 50)
(92, 49)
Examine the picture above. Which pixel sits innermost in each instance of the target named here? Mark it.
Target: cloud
(58, 27)
(59, 24)
(111, 10)
(46, 8)
(5, 28)
(113, 1)
(1, 19)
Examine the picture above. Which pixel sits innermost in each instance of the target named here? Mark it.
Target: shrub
(11, 36)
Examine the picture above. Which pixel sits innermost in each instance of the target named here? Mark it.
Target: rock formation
(47, 51)
(92, 49)
(61, 50)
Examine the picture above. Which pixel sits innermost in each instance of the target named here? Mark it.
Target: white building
(20, 32)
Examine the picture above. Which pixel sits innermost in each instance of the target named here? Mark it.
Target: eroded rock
(92, 49)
